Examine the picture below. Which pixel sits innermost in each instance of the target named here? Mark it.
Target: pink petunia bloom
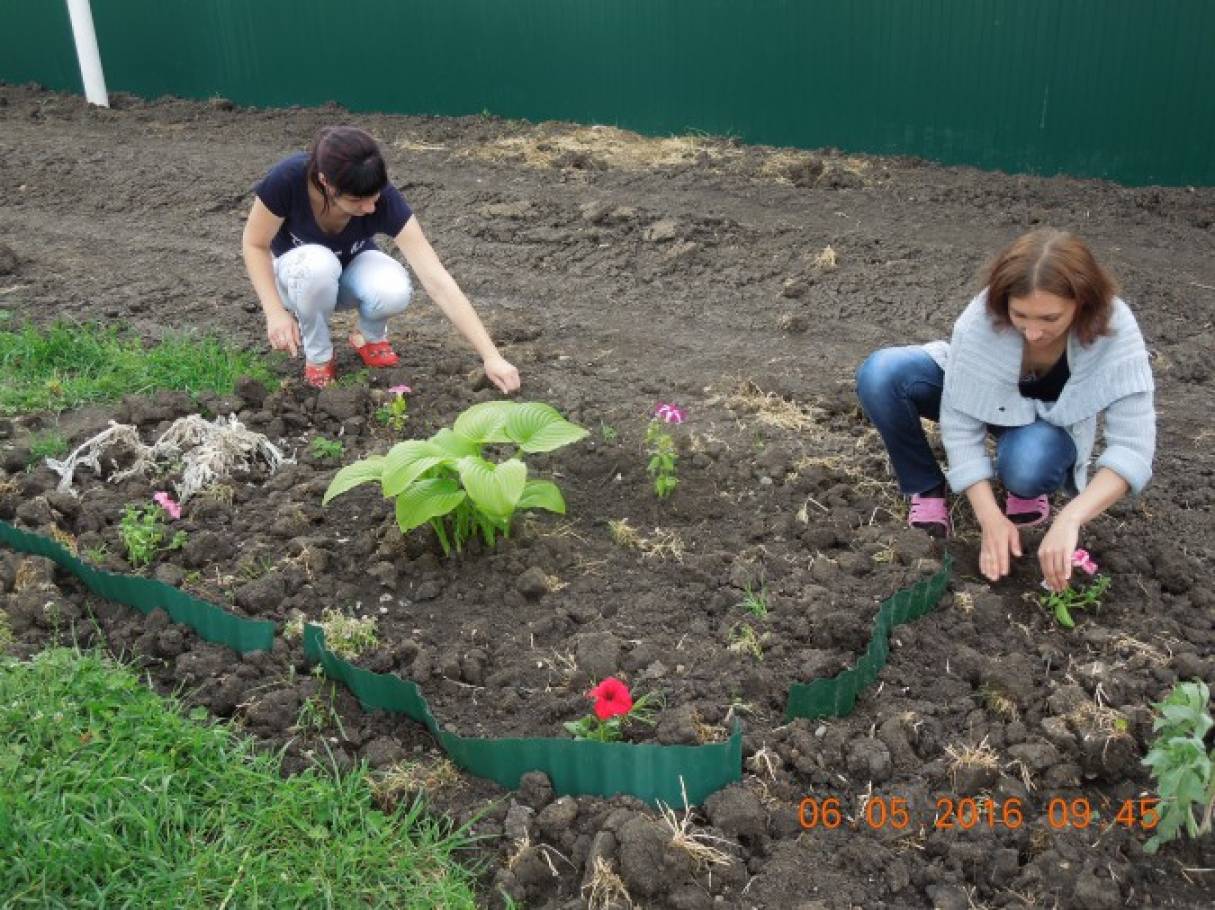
(1084, 562)
(400, 390)
(166, 502)
(669, 413)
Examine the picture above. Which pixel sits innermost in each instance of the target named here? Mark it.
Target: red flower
(612, 698)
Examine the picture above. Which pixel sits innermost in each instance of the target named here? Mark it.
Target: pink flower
(400, 390)
(1084, 562)
(611, 699)
(669, 413)
(166, 502)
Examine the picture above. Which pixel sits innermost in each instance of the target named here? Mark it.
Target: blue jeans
(898, 386)
(312, 284)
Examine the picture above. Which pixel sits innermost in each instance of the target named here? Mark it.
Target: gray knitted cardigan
(1110, 377)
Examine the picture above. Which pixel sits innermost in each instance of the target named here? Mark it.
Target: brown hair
(1061, 264)
(350, 160)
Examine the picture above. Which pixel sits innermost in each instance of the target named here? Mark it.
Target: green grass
(111, 797)
(51, 444)
(69, 364)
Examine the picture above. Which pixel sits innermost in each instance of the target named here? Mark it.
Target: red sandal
(321, 375)
(376, 353)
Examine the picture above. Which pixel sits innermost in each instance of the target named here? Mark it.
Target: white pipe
(87, 53)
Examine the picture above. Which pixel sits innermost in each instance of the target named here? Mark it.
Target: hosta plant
(448, 482)
(1182, 765)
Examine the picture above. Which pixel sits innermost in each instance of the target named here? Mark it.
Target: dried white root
(209, 451)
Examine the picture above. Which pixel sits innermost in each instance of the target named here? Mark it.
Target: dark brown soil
(612, 284)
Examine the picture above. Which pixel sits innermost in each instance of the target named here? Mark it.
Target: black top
(1049, 386)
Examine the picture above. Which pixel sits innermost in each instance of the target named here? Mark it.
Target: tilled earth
(616, 272)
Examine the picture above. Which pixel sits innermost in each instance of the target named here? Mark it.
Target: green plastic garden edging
(212, 623)
(575, 767)
(652, 773)
(835, 696)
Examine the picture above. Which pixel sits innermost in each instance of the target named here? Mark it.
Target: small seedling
(348, 636)
(395, 414)
(743, 640)
(608, 432)
(96, 555)
(329, 449)
(660, 448)
(614, 704)
(1183, 768)
(755, 602)
(142, 532)
(1087, 597)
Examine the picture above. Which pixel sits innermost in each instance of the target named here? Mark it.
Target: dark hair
(350, 160)
(1061, 264)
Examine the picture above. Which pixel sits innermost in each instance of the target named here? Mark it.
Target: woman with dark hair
(1043, 350)
(309, 249)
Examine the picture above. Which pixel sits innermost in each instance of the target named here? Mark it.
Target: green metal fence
(1107, 88)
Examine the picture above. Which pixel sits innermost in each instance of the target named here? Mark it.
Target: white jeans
(312, 284)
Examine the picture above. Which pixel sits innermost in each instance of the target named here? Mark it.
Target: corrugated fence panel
(1108, 88)
(36, 44)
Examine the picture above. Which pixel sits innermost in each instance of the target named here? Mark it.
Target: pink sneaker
(1027, 513)
(931, 515)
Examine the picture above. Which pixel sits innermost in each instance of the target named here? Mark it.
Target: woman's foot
(930, 513)
(374, 353)
(320, 375)
(1027, 513)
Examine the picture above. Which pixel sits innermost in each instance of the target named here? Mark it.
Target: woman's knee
(393, 293)
(310, 275)
(1035, 460)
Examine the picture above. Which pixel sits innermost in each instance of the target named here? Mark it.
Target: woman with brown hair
(1043, 350)
(309, 247)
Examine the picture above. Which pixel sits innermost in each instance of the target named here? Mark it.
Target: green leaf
(427, 499)
(454, 444)
(537, 427)
(484, 422)
(406, 462)
(352, 475)
(542, 494)
(494, 489)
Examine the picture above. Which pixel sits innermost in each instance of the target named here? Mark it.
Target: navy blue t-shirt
(284, 191)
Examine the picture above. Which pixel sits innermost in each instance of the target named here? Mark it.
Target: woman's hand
(502, 373)
(1001, 540)
(283, 332)
(1055, 552)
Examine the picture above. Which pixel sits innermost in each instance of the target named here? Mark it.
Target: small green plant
(96, 555)
(754, 602)
(6, 630)
(142, 531)
(613, 705)
(1087, 597)
(660, 449)
(447, 482)
(608, 432)
(255, 567)
(348, 636)
(744, 640)
(1181, 765)
(51, 444)
(326, 448)
(395, 413)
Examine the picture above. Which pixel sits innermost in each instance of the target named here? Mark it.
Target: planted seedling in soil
(395, 413)
(142, 531)
(660, 449)
(613, 705)
(1086, 597)
(755, 602)
(1183, 768)
(326, 448)
(447, 482)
